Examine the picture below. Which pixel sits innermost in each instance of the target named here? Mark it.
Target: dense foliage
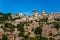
(4, 17)
(43, 38)
(20, 27)
(4, 37)
(38, 30)
(57, 19)
(57, 25)
(10, 26)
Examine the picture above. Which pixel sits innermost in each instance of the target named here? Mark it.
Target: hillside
(39, 26)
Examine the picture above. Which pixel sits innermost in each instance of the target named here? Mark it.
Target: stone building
(1, 33)
(48, 30)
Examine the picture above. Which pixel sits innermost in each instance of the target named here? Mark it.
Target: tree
(1, 16)
(43, 20)
(27, 23)
(2, 19)
(4, 37)
(43, 38)
(38, 30)
(26, 37)
(33, 38)
(20, 27)
(57, 19)
(21, 34)
(51, 38)
(9, 25)
(57, 25)
(1, 13)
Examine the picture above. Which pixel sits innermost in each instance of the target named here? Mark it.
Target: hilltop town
(39, 26)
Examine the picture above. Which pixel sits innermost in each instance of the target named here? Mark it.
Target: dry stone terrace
(21, 27)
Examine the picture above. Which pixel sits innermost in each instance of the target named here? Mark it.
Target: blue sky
(26, 6)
